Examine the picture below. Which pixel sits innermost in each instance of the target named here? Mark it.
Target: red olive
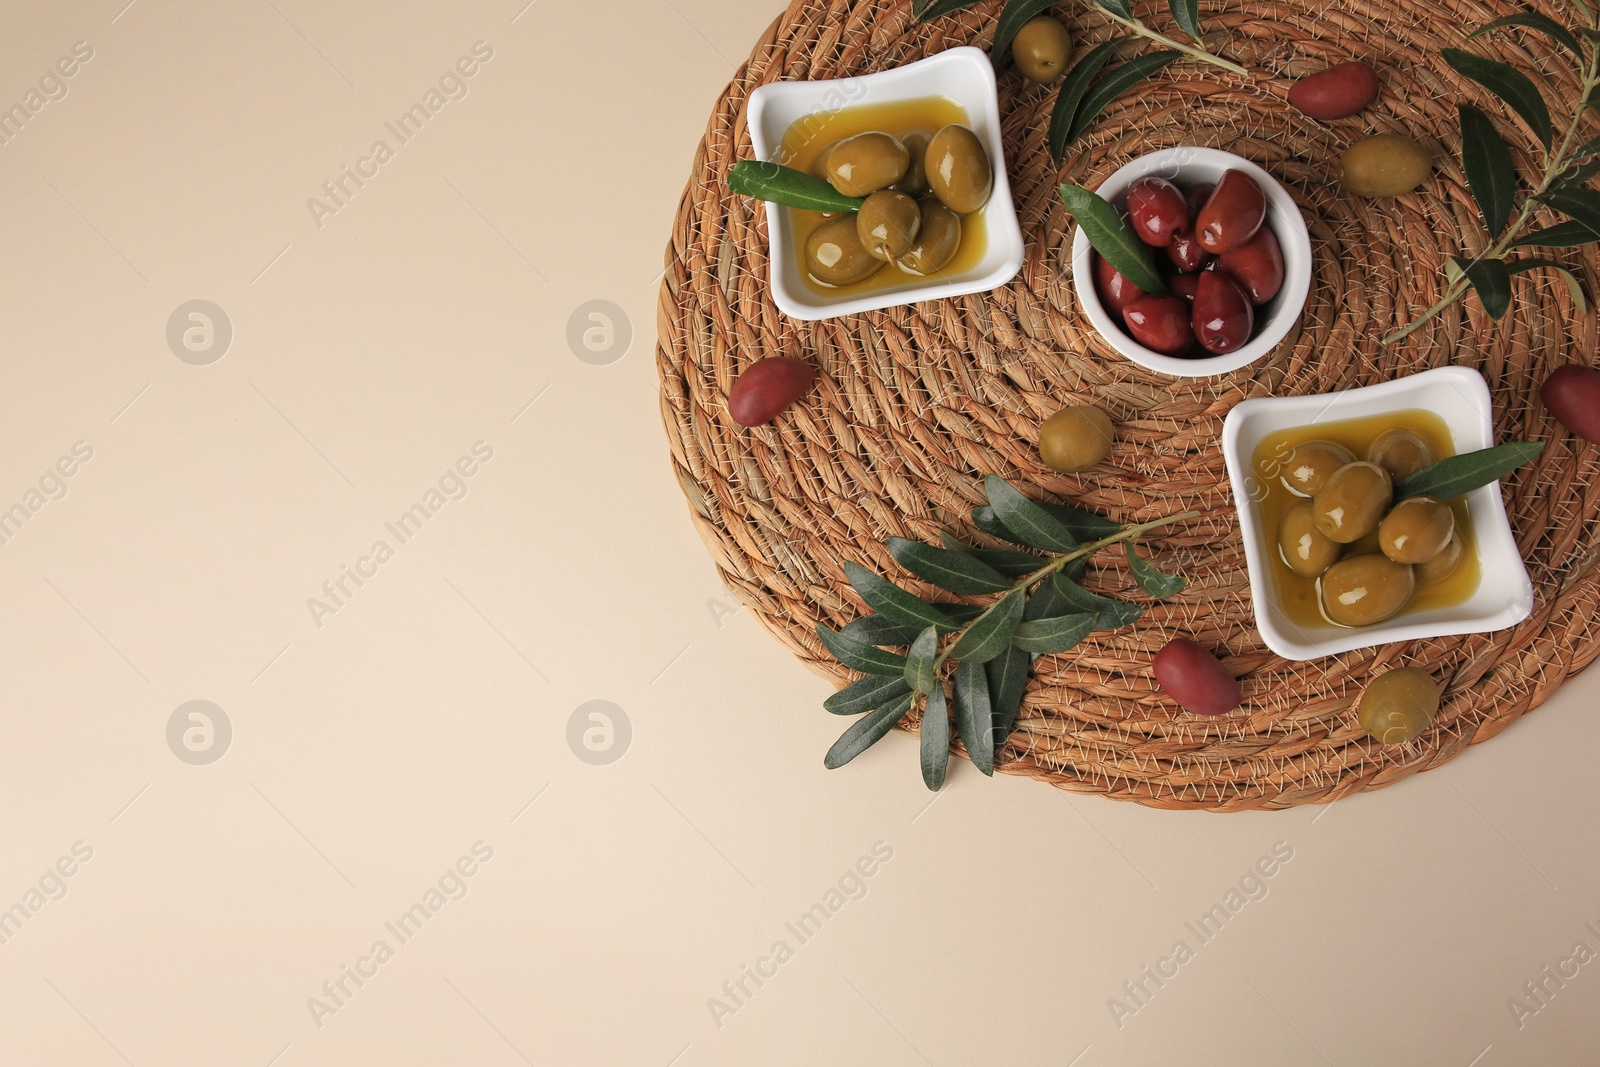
(766, 387)
(1160, 323)
(1195, 196)
(1186, 253)
(1157, 210)
(1223, 317)
(1335, 93)
(1257, 265)
(1196, 679)
(1116, 292)
(1232, 213)
(1183, 286)
(1572, 394)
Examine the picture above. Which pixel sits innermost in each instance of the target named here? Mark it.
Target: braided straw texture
(914, 405)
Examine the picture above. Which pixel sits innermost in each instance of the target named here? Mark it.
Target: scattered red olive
(1572, 395)
(1196, 679)
(766, 387)
(1335, 93)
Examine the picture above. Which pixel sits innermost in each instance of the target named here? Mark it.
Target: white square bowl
(1460, 397)
(963, 74)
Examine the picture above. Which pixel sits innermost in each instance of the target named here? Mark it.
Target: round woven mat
(915, 404)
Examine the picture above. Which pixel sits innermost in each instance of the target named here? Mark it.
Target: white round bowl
(1187, 166)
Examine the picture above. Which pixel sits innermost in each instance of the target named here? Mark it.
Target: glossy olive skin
(1389, 164)
(1441, 566)
(1232, 213)
(1353, 501)
(938, 238)
(1156, 210)
(1572, 395)
(887, 223)
(766, 387)
(1183, 286)
(1196, 679)
(959, 171)
(1305, 549)
(1401, 452)
(1366, 589)
(1116, 291)
(1075, 438)
(1223, 315)
(1335, 93)
(1186, 254)
(1257, 265)
(1416, 529)
(1041, 49)
(1160, 323)
(835, 254)
(867, 162)
(1398, 705)
(914, 182)
(1312, 464)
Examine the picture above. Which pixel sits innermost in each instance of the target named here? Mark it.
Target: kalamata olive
(1186, 253)
(1223, 317)
(1306, 549)
(1335, 93)
(914, 182)
(766, 387)
(1041, 49)
(1196, 679)
(1572, 395)
(1398, 705)
(1353, 501)
(1075, 438)
(887, 223)
(1311, 465)
(1157, 210)
(835, 254)
(1416, 529)
(1386, 165)
(1195, 197)
(866, 163)
(1366, 589)
(1257, 265)
(1401, 452)
(959, 171)
(1441, 566)
(938, 238)
(1232, 213)
(1160, 323)
(1116, 291)
(1183, 286)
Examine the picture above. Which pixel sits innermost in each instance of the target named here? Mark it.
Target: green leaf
(787, 186)
(1490, 173)
(866, 732)
(935, 735)
(975, 715)
(877, 630)
(926, 10)
(1117, 7)
(945, 568)
(860, 655)
(1112, 237)
(1054, 635)
(1085, 525)
(919, 670)
(1010, 564)
(1577, 175)
(1186, 13)
(1588, 148)
(1574, 286)
(988, 636)
(1008, 679)
(1116, 82)
(1013, 18)
(1534, 21)
(1582, 205)
(1109, 612)
(1492, 281)
(866, 694)
(1045, 603)
(1561, 235)
(1070, 97)
(1026, 520)
(1455, 475)
(1509, 84)
(1154, 582)
(894, 603)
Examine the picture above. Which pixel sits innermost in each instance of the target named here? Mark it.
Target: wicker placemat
(915, 404)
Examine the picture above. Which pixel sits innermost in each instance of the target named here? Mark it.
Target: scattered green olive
(1307, 550)
(1312, 464)
(1075, 438)
(1386, 165)
(1041, 49)
(1352, 501)
(1442, 565)
(887, 224)
(835, 254)
(938, 238)
(914, 183)
(1398, 705)
(1416, 529)
(1401, 452)
(959, 171)
(1365, 589)
(867, 162)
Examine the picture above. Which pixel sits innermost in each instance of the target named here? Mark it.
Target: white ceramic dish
(1458, 395)
(966, 76)
(1187, 166)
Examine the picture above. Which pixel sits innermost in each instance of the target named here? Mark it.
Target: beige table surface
(372, 744)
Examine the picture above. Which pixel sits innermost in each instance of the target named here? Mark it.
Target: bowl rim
(1283, 212)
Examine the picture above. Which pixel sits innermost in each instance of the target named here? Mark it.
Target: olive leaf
(1186, 13)
(894, 603)
(1534, 21)
(1109, 612)
(1490, 173)
(1117, 7)
(1085, 525)
(919, 669)
(877, 630)
(947, 569)
(1581, 205)
(1008, 679)
(935, 739)
(1574, 286)
(975, 715)
(989, 634)
(1153, 581)
(1004, 561)
(1509, 84)
(1455, 475)
(1491, 280)
(787, 186)
(1577, 175)
(1113, 237)
(932, 9)
(1026, 519)
(1562, 235)
(1054, 635)
(860, 655)
(866, 732)
(1116, 82)
(1016, 15)
(1044, 603)
(1070, 97)
(866, 694)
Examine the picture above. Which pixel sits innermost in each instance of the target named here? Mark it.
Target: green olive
(914, 182)
(1075, 438)
(867, 162)
(958, 168)
(1386, 165)
(1307, 550)
(1041, 49)
(835, 254)
(1312, 464)
(938, 238)
(1352, 501)
(1401, 452)
(888, 223)
(1416, 529)
(1361, 590)
(1398, 705)
(1441, 566)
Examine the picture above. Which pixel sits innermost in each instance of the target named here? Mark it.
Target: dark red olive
(1196, 679)
(1160, 323)
(1232, 213)
(1186, 253)
(1257, 265)
(1116, 292)
(1183, 286)
(1335, 93)
(1223, 317)
(766, 387)
(1195, 196)
(1572, 395)
(1157, 210)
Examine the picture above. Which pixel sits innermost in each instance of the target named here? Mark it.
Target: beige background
(371, 752)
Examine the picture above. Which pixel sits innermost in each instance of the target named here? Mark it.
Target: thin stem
(1160, 38)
